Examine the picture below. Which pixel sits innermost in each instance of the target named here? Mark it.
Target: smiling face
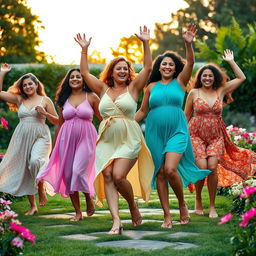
(29, 87)
(120, 72)
(76, 80)
(167, 68)
(207, 78)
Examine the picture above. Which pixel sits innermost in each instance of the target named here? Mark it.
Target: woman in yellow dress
(123, 161)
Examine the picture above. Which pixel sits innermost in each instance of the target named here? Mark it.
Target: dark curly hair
(64, 90)
(220, 78)
(179, 65)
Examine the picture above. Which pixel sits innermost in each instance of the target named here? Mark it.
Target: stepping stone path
(135, 237)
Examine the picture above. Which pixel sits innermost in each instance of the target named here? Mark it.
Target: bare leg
(121, 168)
(33, 208)
(112, 200)
(162, 190)
(212, 185)
(170, 170)
(90, 208)
(76, 203)
(202, 164)
(42, 194)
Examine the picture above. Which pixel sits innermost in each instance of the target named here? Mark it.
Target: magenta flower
(18, 242)
(247, 216)
(18, 228)
(28, 236)
(225, 219)
(4, 123)
(247, 192)
(6, 202)
(245, 134)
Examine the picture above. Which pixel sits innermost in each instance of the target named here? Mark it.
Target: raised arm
(189, 104)
(140, 81)
(233, 84)
(188, 37)
(144, 108)
(94, 83)
(6, 96)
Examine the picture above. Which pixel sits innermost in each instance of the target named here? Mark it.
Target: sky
(106, 21)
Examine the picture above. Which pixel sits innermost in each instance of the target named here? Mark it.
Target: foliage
(19, 33)
(131, 48)
(244, 204)
(242, 138)
(243, 45)
(12, 234)
(208, 16)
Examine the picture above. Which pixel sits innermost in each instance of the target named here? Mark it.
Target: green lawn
(214, 239)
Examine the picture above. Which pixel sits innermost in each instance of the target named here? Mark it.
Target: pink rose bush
(242, 138)
(13, 235)
(244, 206)
(3, 123)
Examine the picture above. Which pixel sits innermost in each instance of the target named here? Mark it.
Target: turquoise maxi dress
(167, 131)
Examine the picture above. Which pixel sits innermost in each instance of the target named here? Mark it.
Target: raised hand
(144, 34)
(228, 55)
(81, 40)
(5, 68)
(189, 34)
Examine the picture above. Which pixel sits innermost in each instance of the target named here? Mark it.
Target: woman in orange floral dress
(212, 146)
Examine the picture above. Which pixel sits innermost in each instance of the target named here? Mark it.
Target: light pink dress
(72, 162)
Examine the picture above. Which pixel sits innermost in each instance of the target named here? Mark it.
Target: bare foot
(42, 198)
(184, 215)
(116, 229)
(167, 222)
(136, 217)
(212, 213)
(76, 218)
(199, 208)
(32, 211)
(90, 208)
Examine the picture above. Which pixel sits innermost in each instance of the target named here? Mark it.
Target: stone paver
(183, 234)
(60, 226)
(80, 237)
(137, 244)
(182, 246)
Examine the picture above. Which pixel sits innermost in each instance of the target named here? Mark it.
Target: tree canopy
(208, 15)
(243, 44)
(19, 33)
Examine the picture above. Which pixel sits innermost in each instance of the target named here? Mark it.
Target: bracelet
(83, 52)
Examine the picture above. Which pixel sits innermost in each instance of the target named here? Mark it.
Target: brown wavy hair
(106, 74)
(17, 88)
(220, 78)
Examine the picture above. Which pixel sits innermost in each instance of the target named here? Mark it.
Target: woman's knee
(108, 177)
(170, 171)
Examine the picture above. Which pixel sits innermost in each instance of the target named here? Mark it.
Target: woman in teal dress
(166, 131)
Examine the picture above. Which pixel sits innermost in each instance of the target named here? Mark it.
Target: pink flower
(18, 242)
(225, 219)
(4, 123)
(247, 192)
(10, 214)
(1, 229)
(28, 236)
(18, 228)
(6, 202)
(247, 216)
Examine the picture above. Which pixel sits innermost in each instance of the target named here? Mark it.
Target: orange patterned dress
(210, 138)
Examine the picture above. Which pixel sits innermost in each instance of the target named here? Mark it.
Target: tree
(96, 58)
(131, 48)
(243, 43)
(19, 33)
(209, 15)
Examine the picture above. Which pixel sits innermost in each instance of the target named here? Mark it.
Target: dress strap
(41, 100)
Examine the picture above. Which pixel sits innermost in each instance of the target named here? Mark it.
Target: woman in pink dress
(72, 164)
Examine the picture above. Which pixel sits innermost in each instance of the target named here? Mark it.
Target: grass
(213, 239)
